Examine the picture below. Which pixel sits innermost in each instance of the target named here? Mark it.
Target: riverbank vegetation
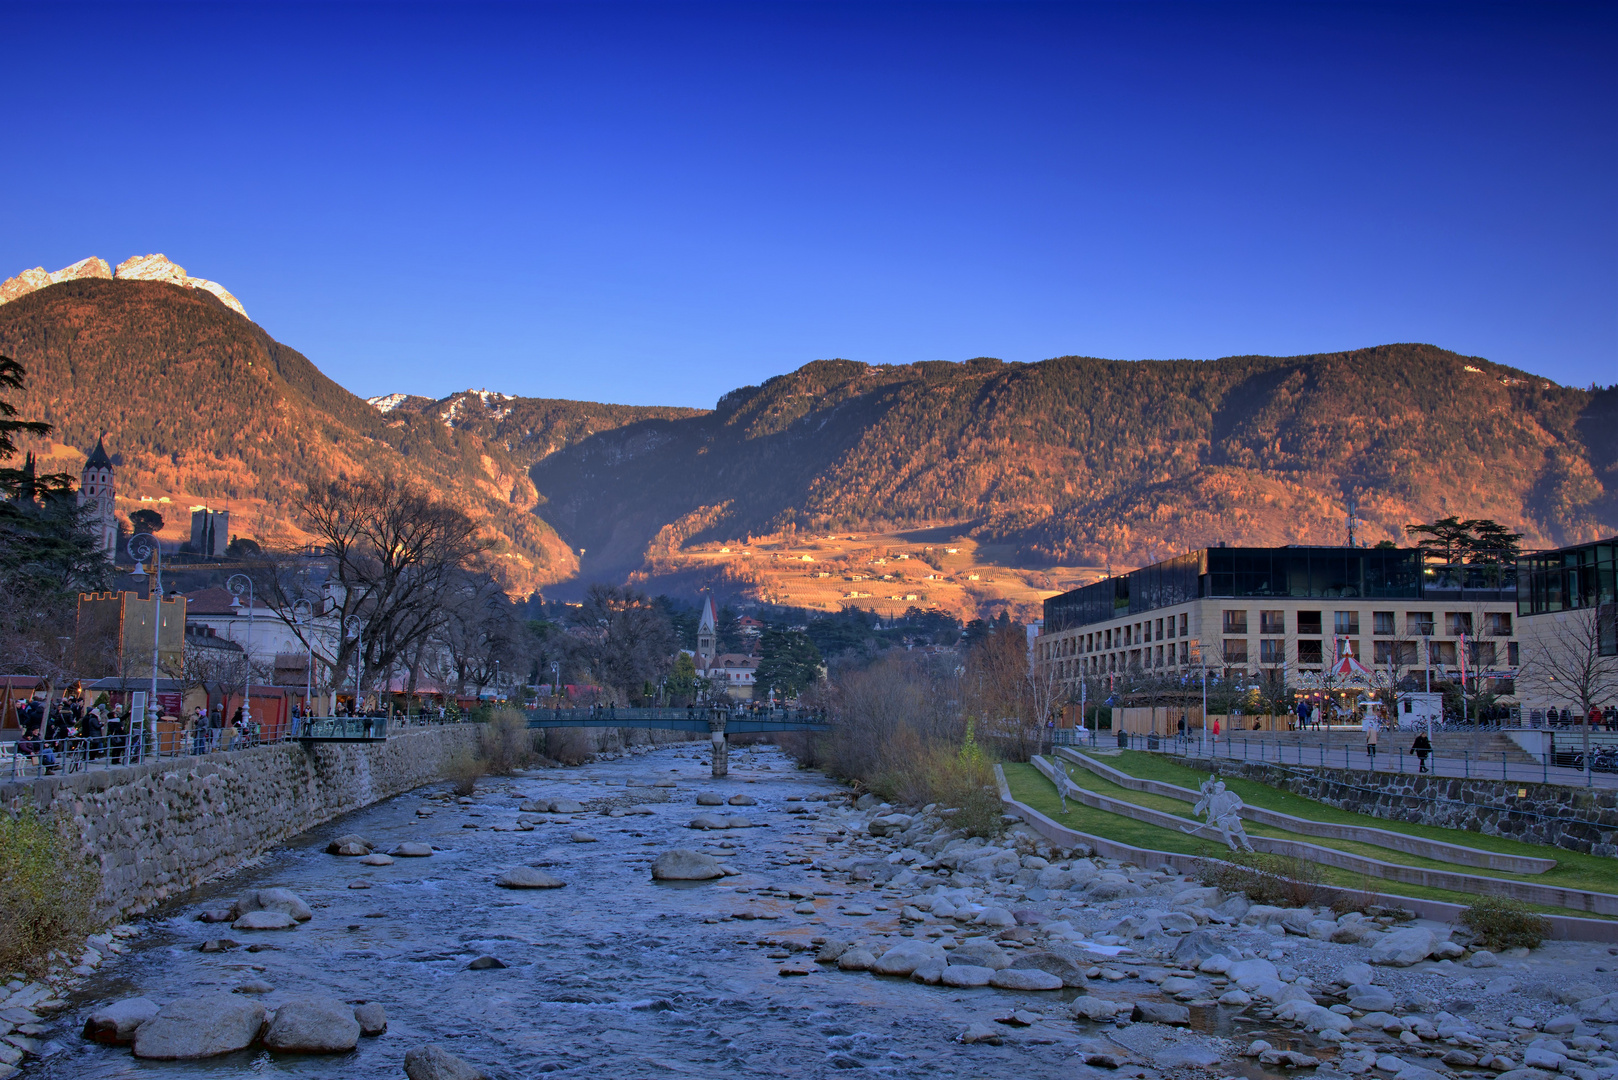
(47, 889)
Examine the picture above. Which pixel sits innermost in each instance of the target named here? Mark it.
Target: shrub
(1279, 880)
(568, 746)
(1501, 922)
(47, 891)
(465, 768)
(507, 742)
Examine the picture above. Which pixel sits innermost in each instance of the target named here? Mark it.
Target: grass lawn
(1573, 870)
(1029, 786)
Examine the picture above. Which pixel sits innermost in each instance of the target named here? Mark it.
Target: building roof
(98, 458)
(710, 616)
(215, 601)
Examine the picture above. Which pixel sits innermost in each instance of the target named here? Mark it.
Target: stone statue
(1223, 809)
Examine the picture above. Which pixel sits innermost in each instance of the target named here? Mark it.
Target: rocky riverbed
(522, 931)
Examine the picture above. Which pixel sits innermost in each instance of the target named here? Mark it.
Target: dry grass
(47, 891)
(1503, 923)
(568, 746)
(507, 742)
(464, 769)
(1279, 880)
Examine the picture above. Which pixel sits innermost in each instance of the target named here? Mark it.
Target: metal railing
(32, 758)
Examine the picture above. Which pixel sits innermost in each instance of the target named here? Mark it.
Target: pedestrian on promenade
(1422, 747)
(235, 726)
(216, 726)
(1370, 740)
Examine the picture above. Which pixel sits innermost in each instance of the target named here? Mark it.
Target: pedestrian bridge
(720, 722)
(343, 729)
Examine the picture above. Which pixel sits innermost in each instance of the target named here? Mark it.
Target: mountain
(963, 485)
(134, 268)
(202, 406)
(1084, 462)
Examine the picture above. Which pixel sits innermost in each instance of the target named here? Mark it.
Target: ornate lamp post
(236, 605)
(303, 613)
(143, 546)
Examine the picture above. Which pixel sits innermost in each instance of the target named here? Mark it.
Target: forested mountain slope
(1079, 461)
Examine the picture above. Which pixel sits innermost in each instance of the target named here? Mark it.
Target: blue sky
(656, 204)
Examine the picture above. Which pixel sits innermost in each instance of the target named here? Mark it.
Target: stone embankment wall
(1575, 818)
(160, 828)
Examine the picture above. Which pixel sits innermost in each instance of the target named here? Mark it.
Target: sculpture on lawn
(1223, 810)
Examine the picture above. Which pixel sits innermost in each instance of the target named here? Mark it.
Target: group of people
(70, 732)
(209, 732)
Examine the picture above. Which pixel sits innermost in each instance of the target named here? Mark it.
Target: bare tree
(394, 553)
(479, 633)
(1567, 661)
(628, 641)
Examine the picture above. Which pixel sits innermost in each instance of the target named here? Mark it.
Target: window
(1497, 623)
(1382, 623)
(1185, 621)
(1160, 633)
(1272, 651)
(1309, 651)
(1236, 623)
(1185, 651)
(1482, 653)
(1513, 657)
(1441, 653)
(1308, 622)
(1157, 660)
(1236, 648)
(1457, 623)
(1419, 623)
(1383, 652)
(1272, 622)
(1346, 622)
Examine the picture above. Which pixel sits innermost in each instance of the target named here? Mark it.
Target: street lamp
(355, 630)
(236, 605)
(141, 547)
(303, 613)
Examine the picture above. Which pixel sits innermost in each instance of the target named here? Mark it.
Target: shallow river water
(613, 976)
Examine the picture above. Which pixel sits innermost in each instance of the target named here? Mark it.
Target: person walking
(1371, 727)
(235, 726)
(1421, 748)
(216, 726)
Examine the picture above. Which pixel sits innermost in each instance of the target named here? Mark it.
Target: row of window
(1383, 623)
(1272, 651)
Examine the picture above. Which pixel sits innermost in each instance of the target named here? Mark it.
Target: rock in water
(1161, 1012)
(1404, 947)
(965, 975)
(708, 798)
(377, 860)
(707, 821)
(906, 957)
(200, 1027)
(1025, 979)
(115, 1025)
(485, 963)
(313, 1025)
(349, 840)
(433, 1062)
(1070, 973)
(743, 800)
(583, 838)
(566, 806)
(283, 900)
(683, 865)
(265, 920)
(372, 1017)
(526, 877)
(411, 850)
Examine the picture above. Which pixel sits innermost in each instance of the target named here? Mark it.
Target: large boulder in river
(526, 877)
(344, 845)
(200, 1027)
(433, 1062)
(905, 957)
(410, 849)
(708, 821)
(265, 920)
(1401, 948)
(1063, 968)
(282, 900)
(313, 1025)
(683, 865)
(566, 806)
(115, 1024)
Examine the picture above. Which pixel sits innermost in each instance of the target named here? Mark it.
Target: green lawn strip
(1091, 782)
(1573, 870)
(1028, 785)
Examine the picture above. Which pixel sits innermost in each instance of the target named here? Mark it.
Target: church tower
(707, 635)
(96, 491)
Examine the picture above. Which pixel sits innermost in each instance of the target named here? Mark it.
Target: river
(614, 975)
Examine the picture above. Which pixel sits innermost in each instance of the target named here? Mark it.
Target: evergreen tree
(791, 664)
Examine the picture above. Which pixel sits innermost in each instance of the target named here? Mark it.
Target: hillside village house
(1238, 612)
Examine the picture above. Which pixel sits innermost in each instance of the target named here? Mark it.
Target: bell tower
(98, 492)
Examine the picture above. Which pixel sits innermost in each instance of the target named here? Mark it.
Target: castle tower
(96, 490)
(707, 636)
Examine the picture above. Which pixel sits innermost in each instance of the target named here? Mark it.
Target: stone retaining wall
(160, 828)
(1578, 819)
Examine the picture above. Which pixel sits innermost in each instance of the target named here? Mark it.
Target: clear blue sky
(655, 204)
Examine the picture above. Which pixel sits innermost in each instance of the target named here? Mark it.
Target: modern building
(1567, 613)
(98, 491)
(1291, 610)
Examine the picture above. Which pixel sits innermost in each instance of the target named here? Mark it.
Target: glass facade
(1241, 573)
(1575, 577)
